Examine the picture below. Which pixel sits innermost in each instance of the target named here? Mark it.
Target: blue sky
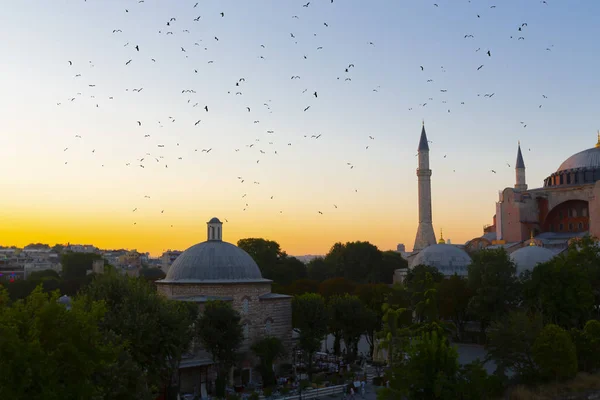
(310, 175)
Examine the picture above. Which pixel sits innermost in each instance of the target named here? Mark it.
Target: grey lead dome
(589, 159)
(448, 259)
(214, 261)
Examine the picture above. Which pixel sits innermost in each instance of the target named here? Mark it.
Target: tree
(157, 330)
(266, 253)
(302, 286)
(428, 372)
(492, 278)
(288, 270)
(474, 383)
(274, 263)
(350, 318)
(555, 354)
(221, 334)
(310, 317)
(454, 295)
(44, 274)
(76, 265)
(268, 350)
(49, 352)
(390, 262)
(152, 274)
(373, 297)
(318, 270)
(358, 262)
(560, 290)
(336, 287)
(510, 343)
(587, 344)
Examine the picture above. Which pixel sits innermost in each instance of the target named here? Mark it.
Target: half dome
(526, 258)
(448, 259)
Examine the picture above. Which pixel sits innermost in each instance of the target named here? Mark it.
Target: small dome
(526, 258)
(448, 259)
(214, 220)
(588, 159)
(214, 261)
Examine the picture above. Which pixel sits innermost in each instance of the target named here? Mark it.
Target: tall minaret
(520, 183)
(425, 235)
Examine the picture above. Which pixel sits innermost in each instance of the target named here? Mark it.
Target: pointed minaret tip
(598, 143)
(520, 162)
(423, 145)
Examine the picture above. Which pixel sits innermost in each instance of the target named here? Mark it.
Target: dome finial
(215, 229)
(531, 240)
(441, 241)
(598, 142)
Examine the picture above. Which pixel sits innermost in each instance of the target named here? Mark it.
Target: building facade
(217, 270)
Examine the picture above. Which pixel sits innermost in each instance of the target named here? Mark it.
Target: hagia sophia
(532, 225)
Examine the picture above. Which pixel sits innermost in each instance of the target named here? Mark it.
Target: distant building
(81, 248)
(217, 270)
(401, 248)
(167, 258)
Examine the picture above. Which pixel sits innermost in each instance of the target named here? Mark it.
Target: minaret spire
(425, 234)
(520, 183)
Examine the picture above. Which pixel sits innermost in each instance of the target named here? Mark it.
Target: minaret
(425, 235)
(520, 171)
(215, 229)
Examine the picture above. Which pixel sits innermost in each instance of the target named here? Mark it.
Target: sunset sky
(91, 198)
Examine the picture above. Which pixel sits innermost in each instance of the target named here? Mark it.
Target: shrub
(555, 353)
(254, 396)
(268, 392)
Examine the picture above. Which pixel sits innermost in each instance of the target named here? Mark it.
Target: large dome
(214, 261)
(448, 259)
(589, 159)
(526, 258)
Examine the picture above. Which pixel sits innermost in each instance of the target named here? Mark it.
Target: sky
(71, 146)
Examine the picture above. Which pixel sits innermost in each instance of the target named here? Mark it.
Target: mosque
(532, 225)
(217, 270)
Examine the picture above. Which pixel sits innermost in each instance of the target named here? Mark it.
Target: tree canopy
(310, 316)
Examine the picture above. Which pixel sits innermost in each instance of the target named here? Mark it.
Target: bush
(254, 396)
(555, 353)
(268, 392)
(285, 390)
(378, 381)
(474, 383)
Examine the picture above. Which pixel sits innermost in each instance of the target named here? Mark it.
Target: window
(268, 327)
(584, 212)
(580, 226)
(560, 214)
(570, 227)
(246, 330)
(560, 227)
(570, 212)
(245, 306)
(574, 212)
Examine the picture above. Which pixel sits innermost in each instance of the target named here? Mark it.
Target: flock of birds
(178, 26)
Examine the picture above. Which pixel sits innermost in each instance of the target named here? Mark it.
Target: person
(351, 393)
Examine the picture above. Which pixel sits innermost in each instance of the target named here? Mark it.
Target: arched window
(268, 326)
(246, 330)
(245, 305)
(580, 226)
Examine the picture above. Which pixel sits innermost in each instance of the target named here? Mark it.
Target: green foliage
(152, 274)
(416, 276)
(302, 286)
(319, 270)
(492, 277)
(156, 331)
(555, 353)
(351, 318)
(336, 287)
(373, 296)
(561, 290)
(359, 262)
(220, 331)
(474, 383)
(454, 295)
(587, 344)
(510, 343)
(390, 262)
(428, 372)
(268, 350)
(76, 265)
(39, 275)
(48, 352)
(274, 263)
(310, 317)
